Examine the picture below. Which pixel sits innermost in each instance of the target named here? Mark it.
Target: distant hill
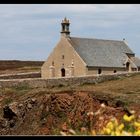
(18, 66)
(13, 64)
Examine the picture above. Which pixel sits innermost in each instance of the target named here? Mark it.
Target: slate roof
(101, 53)
(136, 60)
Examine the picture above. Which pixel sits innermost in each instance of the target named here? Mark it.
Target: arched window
(63, 28)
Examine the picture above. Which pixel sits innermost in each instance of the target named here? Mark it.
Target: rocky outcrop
(51, 113)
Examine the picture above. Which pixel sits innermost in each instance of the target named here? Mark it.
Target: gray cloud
(32, 31)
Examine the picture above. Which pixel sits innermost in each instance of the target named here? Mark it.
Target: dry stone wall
(59, 82)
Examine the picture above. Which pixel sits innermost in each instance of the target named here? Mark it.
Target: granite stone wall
(59, 82)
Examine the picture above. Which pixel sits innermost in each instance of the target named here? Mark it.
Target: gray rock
(3, 123)
(20, 105)
(12, 123)
(29, 106)
(13, 107)
(33, 100)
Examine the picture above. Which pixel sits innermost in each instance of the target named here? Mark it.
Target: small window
(99, 71)
(52, 63)
(62, 56)
(114, 71)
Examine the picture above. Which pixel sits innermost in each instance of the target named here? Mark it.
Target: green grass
(7, 101)
(21, 87)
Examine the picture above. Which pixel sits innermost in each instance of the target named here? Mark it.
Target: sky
(31, 31)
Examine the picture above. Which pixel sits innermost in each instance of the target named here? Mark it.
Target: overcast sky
(31, 31)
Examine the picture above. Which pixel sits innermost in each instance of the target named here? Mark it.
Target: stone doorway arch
(128, 66)
(99, 71)
(63, 72)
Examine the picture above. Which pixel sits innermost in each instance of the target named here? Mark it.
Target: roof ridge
(96, 39)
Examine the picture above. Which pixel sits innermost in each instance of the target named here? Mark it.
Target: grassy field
(70, 103)
(126, 90)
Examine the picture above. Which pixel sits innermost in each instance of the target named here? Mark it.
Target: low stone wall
(59, 82)
(21, 75)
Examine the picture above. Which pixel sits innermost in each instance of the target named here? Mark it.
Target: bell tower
(65, 28)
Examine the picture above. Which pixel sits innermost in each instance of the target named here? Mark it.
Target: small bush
(8, 101)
